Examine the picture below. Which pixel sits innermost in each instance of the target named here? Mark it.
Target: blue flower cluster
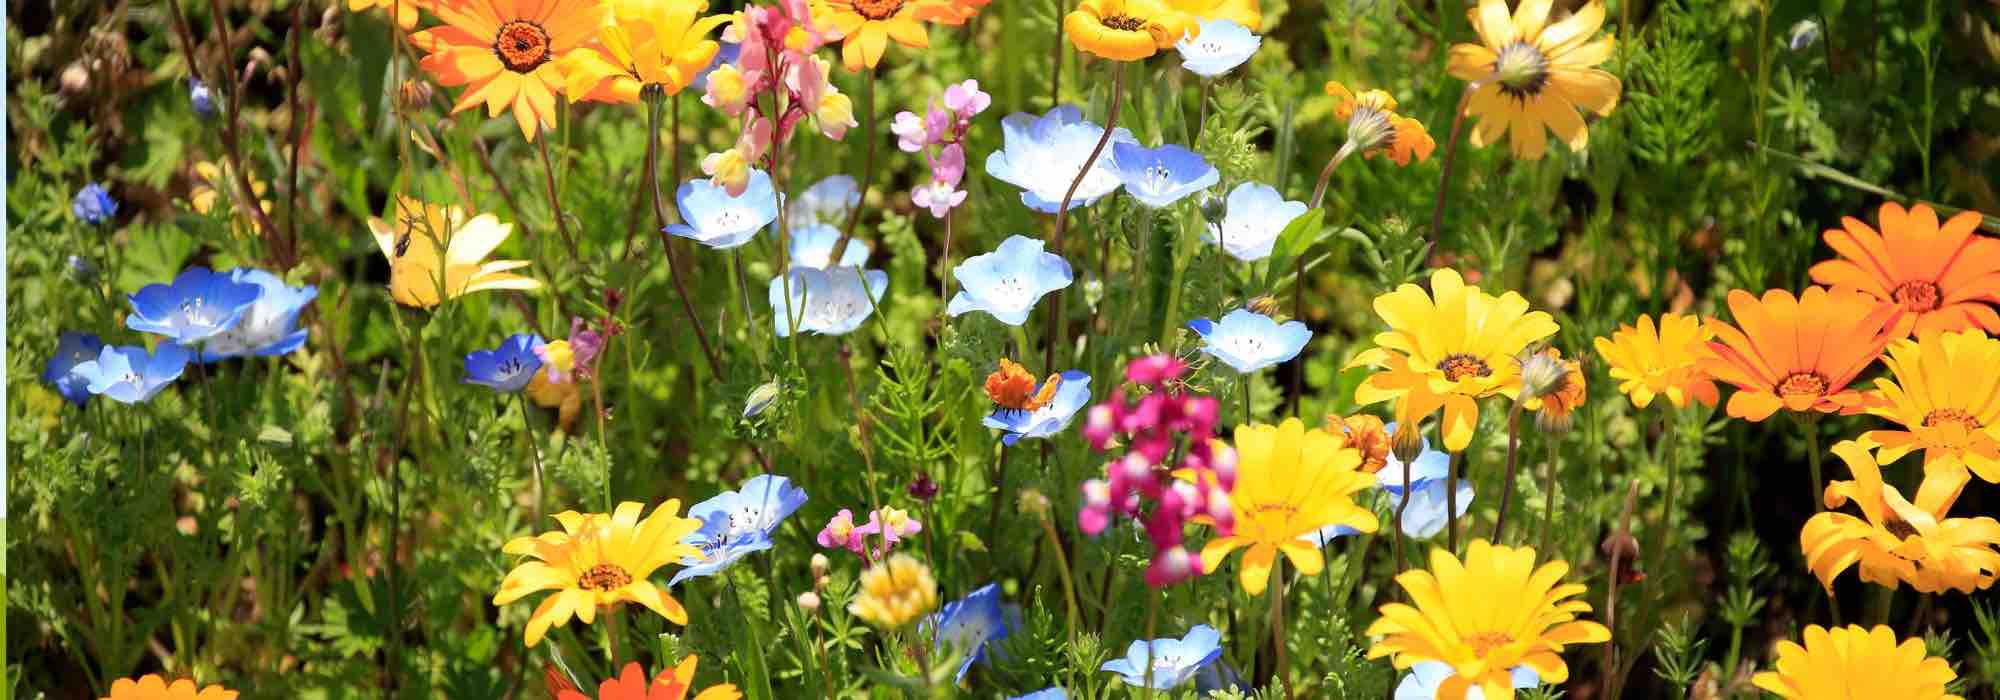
(736, 524)
(205, 316)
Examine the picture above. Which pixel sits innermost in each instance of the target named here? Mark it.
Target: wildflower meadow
(1002, 349)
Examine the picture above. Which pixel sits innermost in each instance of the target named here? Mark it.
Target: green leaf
(969, 541)
(1298, 237)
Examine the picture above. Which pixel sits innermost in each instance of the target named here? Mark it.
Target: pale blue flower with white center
(720, 221)
(201, 98)
(1430, 467)
(1249, 341)
(812, 246)
(93, 205)
(1044, 694)
(1422, 682)
(1052, 418)
(735, 524)
(966, 626)
(1008, 281)
(828, 201)
(1173, 661)
(1253, 217)
(200, 304)
(270, 326)
(72, 349)
(1042, 155)
(1221, 47)
(508, 368)
(1425, 516)
(1161, 176)
(827, 302)
(128, 375)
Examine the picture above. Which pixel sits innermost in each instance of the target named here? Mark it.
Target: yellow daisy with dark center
(1533, 74)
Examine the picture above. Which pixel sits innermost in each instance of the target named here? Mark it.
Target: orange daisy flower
(405, 11)
(671, 684)
(1943, 275)
(153, 687)
(507, 52)
(1797, 353)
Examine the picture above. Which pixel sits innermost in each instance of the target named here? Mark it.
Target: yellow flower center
(1802, 384)
(877, 9)
(1951, 415)
(1522, 70)
(1125, 23)
(522, 45)
(1461, 365)
(1917, 296)
(604, 577)
(1484, 642)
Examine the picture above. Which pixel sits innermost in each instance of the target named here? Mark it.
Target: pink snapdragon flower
(776, 62)
(890, 524)
(940, 135)
(1196, 486)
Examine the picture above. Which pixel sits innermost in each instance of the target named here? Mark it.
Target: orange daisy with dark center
(1482, 642)
(1458, 367)
(1917, 296)
(1802, 384)
(521, 45)
(877, 9)
(604, 577)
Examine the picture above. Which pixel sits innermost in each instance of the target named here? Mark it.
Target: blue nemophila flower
(270, 326)
(812, 246)
(1252, 219)
(1173, 661)
(735, 524)
(1042, 155)
(1044, 694)
(128, 375)
(72, 349)
(93, 205)
(1423, 680)
(1008, 281)
(828, 201)
(508, 368)
(1048, 419)
(1221, 47)
(1249, 341)
(967, 625)
(201, 98)
(200, 304)
(1161, 176)
(720, 221)
(1425, 516)
(827, 302)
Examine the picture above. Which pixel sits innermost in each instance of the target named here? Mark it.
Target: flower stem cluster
(1171, 461)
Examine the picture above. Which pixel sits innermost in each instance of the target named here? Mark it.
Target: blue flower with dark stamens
(1042, 156)
(966, 626)
(1161, 176)
(1221, 46)
(128, 375)
(93, 205)
(1252, 220)
(270, 327)
(1249, 341)
(1173, 661)
(72, 349)
(720, 221)
(1048, 420)
(736, 524)
(200, 304)
(508, 368)
(1008, 281)
(827, 302)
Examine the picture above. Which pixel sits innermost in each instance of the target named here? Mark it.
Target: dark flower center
(1802, 384)
(604, 577)
(522, 45)
(1951, 415)
(1898, 527)
(1917, 296)
(1460, 366)
(1124, 23)
(1483, 642)
(877, 9)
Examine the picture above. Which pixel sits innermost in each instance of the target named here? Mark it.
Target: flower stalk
(1054, 330)
(1451, 154)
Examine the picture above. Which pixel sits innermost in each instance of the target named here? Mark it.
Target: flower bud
(1542, 373)
(809, 603)
(1034, 503)
(1408, 443)
(414, 94)
(923, 488)
(820, 565)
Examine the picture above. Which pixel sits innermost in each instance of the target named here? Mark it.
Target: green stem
(1152, 619)
(1451, 503)
(1809, 422)
(535, 452)
(1450, 154)
(1053, 334)
(1549, 507)
(1062, 571)
(1278, 623)
(1507, 489)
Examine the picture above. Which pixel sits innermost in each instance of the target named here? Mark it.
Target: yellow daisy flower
(426, 237)
(1447, 349)
(1538, 74)
(866, 26)
(1244, 12)
(1290, 483)
(404, 10)
(1484, 616)
(1651, 361)
(895, 592)
(1852, 662)
(1944, 393)
(645, 42)
(599, 561)
(1898, 541)
(1125, 30)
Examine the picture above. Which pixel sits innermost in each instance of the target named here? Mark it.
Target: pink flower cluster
(940, 135)
(777, 61)
(1195, 486)
(890, 523)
